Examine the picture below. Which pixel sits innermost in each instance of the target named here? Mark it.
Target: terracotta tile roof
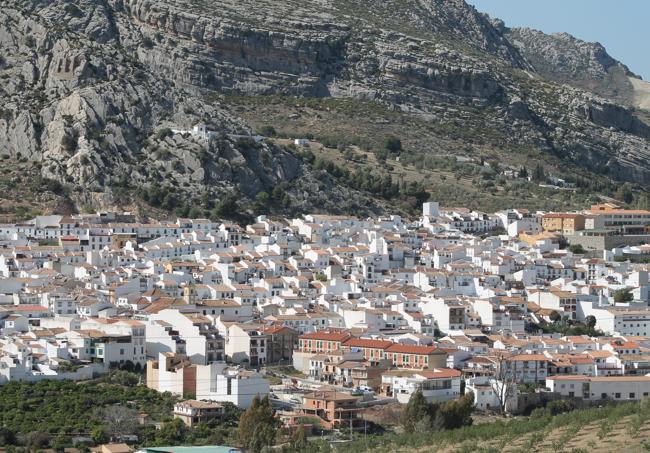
(529, 357)
(326, 336)
(440, 373)
(414, 349)
(368, 343)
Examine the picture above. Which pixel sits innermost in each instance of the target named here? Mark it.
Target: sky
(619, 25)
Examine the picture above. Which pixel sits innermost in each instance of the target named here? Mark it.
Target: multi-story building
(280, 343)
(611, 217)
(565, 223)
(173, 373)
(245, 343)
(601, 388)
(437, 384)
(525, 368)
(331, 407)
(203, 342)
(415, 356)
(219, 382)
(193, 412)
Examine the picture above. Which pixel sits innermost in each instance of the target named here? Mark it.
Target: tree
(642, 201)
(416, 409)
(60, 442)
(503, 384)
(539, 175)
(590, 322)
(258, 425)
(622, 296)
(555, 316)
(624, 193)
(171, 433)
(226, 208)
(298, 442)
(576, 249)
(7, 436)
(279, 192)
(36, 440)
(421, 416)
(125, 378)
(392, 144)
(98, 435)
(267, 131)
(120, 420)
(523, 173)
(69, 142)
(457, 413)
(194, 213)
(163, 133)
(262, 200)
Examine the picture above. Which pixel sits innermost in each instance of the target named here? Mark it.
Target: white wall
(212, 384)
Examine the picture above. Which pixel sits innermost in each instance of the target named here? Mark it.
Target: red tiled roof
(25, 308)
(625, 345)
(530, 357)
(276, 328)
(440, 373)
(326, 336)
(367, 343)
(561, 215)
(413, 349)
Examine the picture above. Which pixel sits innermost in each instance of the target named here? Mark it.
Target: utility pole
(350, 417)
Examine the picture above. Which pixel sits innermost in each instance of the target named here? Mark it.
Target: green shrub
(163, 133)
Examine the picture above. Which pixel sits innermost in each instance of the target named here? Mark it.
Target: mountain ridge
(91, 84)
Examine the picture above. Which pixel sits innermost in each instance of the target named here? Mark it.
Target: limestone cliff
(88, 86)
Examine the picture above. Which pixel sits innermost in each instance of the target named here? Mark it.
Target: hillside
(623, 427)
(91, 89)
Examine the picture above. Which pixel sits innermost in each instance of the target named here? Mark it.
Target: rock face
(88, 85)
(565, 59)
(87, 94)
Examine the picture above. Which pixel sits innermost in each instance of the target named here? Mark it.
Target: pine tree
(299, 440)
(539, 175)
(416, 410)
(258, 426)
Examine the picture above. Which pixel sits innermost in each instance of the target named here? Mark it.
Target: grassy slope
(24, 194)
(428, 144)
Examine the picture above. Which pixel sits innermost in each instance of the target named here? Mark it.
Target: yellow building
(565, 223)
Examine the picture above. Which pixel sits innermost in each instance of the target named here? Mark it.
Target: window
(617, 395)
(632, 395)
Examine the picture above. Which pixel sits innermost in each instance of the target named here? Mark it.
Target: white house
(438, 384)
(595, 388)
(218, 382)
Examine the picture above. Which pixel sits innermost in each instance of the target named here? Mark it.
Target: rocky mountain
(92, 88)
(565, 59)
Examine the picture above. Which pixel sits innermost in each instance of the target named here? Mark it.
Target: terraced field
(611, 428)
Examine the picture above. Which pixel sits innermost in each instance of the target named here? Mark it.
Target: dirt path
(641, 93)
